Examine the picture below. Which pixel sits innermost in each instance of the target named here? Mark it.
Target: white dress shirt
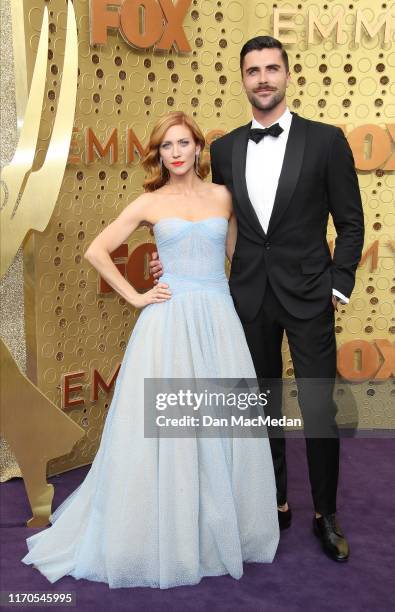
(263, 167)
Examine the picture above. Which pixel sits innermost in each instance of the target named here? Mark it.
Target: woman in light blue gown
(157, 511)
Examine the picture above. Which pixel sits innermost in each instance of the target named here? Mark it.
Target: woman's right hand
(159, 293)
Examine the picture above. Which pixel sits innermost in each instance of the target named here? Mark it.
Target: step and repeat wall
(138, 60)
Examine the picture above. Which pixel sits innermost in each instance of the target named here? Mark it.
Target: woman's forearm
(231, 237)
(103, 263)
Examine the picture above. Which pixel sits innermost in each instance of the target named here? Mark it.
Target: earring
(197, 163)
(161, 166)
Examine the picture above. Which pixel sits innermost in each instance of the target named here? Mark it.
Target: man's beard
(261, 105)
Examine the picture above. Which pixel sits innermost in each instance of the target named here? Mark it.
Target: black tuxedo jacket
(317, 178)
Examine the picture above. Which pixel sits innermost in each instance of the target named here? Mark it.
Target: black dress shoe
(328, 530)
(284, 518)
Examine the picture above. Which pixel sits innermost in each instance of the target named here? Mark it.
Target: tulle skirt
(164, 512)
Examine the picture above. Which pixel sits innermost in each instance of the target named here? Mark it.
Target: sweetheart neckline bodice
(188, 220)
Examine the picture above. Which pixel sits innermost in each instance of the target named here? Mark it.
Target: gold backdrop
(77, 329)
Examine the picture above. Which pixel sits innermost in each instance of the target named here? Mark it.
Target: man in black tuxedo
(286, 175)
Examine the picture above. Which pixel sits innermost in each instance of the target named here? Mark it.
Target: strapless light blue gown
(163, 512)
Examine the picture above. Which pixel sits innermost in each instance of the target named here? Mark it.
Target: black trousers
(312, 345)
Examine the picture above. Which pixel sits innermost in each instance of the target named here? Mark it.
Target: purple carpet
(301, 576)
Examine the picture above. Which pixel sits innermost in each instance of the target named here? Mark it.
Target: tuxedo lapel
(290, 170)
(239, 156)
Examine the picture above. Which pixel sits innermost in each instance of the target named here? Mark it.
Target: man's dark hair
(263, 42)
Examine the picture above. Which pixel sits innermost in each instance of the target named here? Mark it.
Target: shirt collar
(284, 121)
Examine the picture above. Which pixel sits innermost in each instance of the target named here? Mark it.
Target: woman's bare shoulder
(222, 195)
(219, 190)
(141, 207)
(142, 201)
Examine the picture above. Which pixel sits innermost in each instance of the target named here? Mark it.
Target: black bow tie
(256, 134)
